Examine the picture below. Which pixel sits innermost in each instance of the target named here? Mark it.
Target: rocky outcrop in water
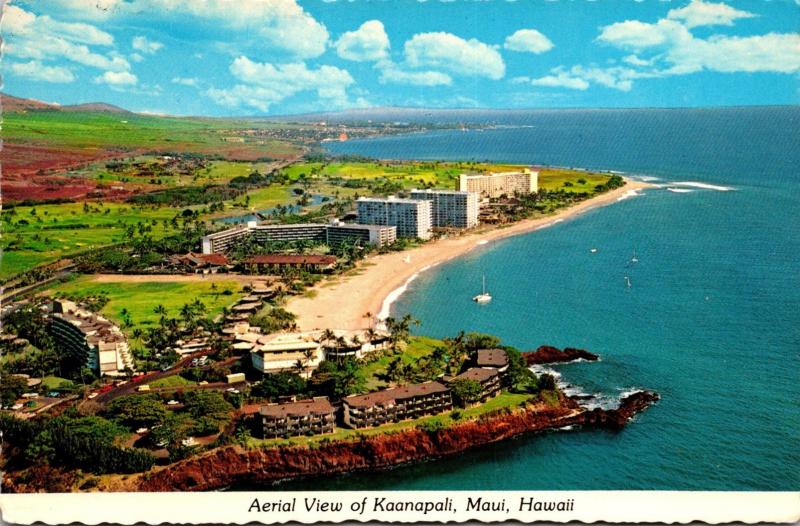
(231, 465)
(548, 354)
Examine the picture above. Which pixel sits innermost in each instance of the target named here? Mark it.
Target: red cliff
(548, 354)
(233, 464)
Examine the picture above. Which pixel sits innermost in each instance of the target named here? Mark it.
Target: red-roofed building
(201, 262)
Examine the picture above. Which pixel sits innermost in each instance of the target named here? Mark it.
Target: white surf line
(386, 306)
(680, 190)
(629, 194)
(705, 186)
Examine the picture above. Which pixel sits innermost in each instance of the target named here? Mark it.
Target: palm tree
(160, 309)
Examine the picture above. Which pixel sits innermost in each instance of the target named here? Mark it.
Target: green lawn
(441, 174)
(417, 347)
(80, 130)
(175, 380)
(141, 298)
(50, 383)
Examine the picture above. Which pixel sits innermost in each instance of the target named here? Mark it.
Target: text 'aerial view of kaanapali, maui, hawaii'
(515, 252)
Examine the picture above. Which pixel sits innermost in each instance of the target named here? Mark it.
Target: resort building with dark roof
(497, 358)
(396, 404)
(304, 417)
(487, 377)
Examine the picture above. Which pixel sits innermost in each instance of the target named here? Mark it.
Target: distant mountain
(95, 106)
(12, 104)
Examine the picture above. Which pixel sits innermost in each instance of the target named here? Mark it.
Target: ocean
(711, 319)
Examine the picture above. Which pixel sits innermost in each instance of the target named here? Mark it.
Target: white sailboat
(634, 259)
(483, 297)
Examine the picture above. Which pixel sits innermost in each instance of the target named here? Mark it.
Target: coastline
(354, 301)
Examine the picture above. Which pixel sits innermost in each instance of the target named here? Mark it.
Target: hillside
(11, 104)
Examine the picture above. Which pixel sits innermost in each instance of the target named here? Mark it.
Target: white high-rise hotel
(412, 218)
(498, 184)
(451, 208)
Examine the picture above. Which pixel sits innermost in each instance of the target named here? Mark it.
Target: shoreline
(365, 295)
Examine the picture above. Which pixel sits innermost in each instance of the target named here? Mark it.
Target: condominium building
(304, 417)
(93, 340)
(298, 352)
(498, 184)
(332, 234)
(413, 218)
(396, 404)
(346, 233)
(487, 377)
(221, 241)
(450, 208)
(295, 232)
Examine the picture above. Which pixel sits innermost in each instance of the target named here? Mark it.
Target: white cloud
(367, 43)
(184, 81)
(392, 74)
(42, 38)
(146, 46)
(35, 70)
(633, 60)
(117, 79)
(528, 40)
(284, 24)
(667, 47)
(136, 57)
(633, 34)
(454, 54)
(264, 84)
(700, 13)
(561, 80)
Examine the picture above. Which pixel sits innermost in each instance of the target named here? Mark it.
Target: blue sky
(272, 57)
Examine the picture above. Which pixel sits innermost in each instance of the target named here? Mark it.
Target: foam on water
(705, 186)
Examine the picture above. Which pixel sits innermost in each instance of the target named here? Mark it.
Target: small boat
(483, 297)
(634, 259)
(593, 250)
(628, 281)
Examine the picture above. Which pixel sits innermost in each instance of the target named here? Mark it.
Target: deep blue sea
(711, 320)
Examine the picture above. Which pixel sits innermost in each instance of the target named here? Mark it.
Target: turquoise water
(711, 320)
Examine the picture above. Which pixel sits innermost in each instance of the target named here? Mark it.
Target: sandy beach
(359, 299)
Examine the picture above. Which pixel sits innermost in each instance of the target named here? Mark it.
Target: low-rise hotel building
(396, 404)
(413, 218)
(498, 184)
(487, 377)
(298, 352)
(450, 208)
(93, 340)
(333, 234)
(304, 417)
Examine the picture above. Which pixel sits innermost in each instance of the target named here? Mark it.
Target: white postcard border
(278, 507)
